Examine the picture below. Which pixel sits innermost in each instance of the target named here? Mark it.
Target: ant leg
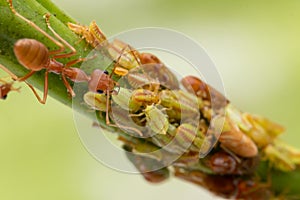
(42, 101)
(68, 86)
(26, 76)
(119, 70)
(73, 62)
(131, 50)
(107, 108)
(14, 77)
(35, 93)
(65, 55)
(61, 47)
(154, 85)
(45, 88)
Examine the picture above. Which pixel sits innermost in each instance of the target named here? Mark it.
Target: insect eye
(100, 91)
(4, 97)
(105, 72)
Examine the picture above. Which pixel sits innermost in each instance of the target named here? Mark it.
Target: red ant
(35, 56)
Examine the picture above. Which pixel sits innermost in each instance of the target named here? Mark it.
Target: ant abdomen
(32, 54)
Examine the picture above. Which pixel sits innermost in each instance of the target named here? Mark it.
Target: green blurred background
(256, 48)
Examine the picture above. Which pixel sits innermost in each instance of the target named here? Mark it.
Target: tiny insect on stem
(156, 119)
(126, 57)
(6, 87)
(101, 102)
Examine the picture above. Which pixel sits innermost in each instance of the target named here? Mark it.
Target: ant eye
(100, 91)
(4, 97)
(105, 72)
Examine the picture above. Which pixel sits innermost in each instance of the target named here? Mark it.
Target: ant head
(100, 82)
(96, 79)
(4, 97)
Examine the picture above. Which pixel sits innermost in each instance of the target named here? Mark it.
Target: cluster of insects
(172, 116)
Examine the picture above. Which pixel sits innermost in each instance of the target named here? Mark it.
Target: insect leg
(68, 86)
(73, 62)
(14, 77)
(26, 76)
(117, 125)
(131, 50)
(154, 85)
(122, 71)
(61, 47)
(45, 89)
(64, 55)
(42, 101)
(107, 107)
(116, 68)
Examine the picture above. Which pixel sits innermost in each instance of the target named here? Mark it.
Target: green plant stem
(12, 29)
